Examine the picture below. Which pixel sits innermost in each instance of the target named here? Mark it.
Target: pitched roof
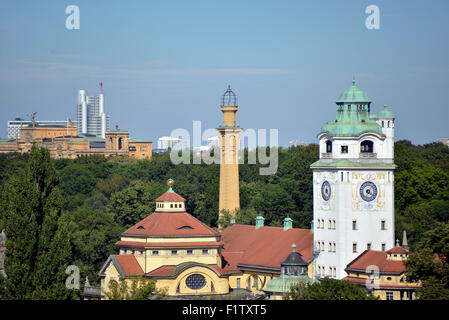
(170, 224)
(379, 259)
(397, 249)
(171, 197)
(265, 247)
(128, 264)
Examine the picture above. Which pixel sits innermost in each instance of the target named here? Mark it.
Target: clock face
(326, 190)
(368, 191)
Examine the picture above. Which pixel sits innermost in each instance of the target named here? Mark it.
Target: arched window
(120, 143)
(367, 146)
(328, 146)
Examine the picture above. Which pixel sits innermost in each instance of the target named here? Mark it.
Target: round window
(195, 281)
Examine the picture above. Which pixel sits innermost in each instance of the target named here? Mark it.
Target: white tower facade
(353, 185)
(91, 116)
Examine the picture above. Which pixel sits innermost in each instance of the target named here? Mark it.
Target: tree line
(90, 201)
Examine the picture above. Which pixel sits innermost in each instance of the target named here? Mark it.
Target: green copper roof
(385, 114)
(283, 283)
(353, 115)
(345, 163)
(353, 94)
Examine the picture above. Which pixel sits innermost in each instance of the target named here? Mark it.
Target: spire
(101, 87)
(404, 240)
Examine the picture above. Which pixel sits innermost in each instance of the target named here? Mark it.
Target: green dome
(385, 114)
(353, 94)
(351, 128)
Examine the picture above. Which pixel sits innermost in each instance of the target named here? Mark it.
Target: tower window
(354, 224)
(383, 246)
(328, 146)
(383, 225)
(367, 146)
(344, 149)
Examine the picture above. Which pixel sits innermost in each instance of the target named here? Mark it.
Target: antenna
(101, 87)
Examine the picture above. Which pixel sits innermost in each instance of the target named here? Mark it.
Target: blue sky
(166, 63)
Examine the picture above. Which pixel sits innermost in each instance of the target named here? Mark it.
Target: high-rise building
(91, 116)
(353, 184)
(229, 198)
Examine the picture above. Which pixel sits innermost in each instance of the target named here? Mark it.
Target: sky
(165, 64)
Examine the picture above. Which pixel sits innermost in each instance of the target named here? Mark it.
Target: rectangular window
(368, 246)
(383, 225)
(329, 224)
(238, 282)
(189, 251)
(333, 224)
(383, 246)
(330, 246)
(344, 149)
(155, 253)
(354, 247)
(354, 224)
(205, 251)
(174, 252)
(390, 296)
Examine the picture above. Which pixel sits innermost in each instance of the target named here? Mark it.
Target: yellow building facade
(382, 274)
(64, 142)
(188, 258)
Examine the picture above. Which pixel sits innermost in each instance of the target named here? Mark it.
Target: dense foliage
(102, 197)
(328, 289)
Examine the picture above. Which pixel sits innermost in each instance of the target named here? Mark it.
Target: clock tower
(353, 184)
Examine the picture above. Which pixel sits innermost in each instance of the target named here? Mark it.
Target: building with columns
(229, 198)
(353, 184)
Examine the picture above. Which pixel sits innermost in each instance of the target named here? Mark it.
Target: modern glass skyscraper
(91, 116)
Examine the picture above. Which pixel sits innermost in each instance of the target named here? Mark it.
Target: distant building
(64, 142)
(15, 125)
(296, 143)
(91, 116)
(444, 141)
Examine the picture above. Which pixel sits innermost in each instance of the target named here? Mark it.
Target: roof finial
(353, 79)
(170, 183)
(293, 247)
(397, 242)
(116, 125)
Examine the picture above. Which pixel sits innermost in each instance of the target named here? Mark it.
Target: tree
(134, 203)
(93, 235)
(429, 264)
(332, 289)
(37, 248)
(140, 289)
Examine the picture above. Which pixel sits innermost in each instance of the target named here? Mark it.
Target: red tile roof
(397, 250)
(170, 224)
(129, 264)
(263, 247)
(379, 259)
(171, 197)
(197, 244)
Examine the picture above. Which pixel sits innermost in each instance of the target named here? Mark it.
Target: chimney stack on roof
(288, 223)
(259, 221)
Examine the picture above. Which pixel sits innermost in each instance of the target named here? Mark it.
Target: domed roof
(229, 98)
(294, 259)
(353, 94)
(385, 113)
